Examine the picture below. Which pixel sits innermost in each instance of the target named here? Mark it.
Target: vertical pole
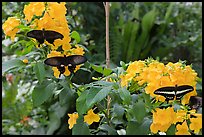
(107, 8)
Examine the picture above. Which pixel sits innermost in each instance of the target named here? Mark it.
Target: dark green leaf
(135, 128)
(100, 95)
(125, 95)
(80, 128)
(42, 92)
(54, 123)
(81, 105)
(109, 129)
(171, 130)
(88, 98)
(39, 70)
(139, 111)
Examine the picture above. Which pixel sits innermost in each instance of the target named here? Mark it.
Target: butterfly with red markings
(61, 62)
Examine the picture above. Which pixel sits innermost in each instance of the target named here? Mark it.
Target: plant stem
(107, 7)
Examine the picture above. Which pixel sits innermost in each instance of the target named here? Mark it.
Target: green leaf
(81, 105)
(100, 95)
(88, 98)
(39, 70)
(139, 111)
(75, 35)
(10, 64)
(54, 123)
(171, 130)
(80, 128)
(42, 92)
(107, 71)
(135, 128)
(125, 95)
(109, 129)
(98, 69)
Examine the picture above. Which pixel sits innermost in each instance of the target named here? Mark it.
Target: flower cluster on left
(47, 16)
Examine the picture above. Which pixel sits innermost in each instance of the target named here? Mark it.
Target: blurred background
(167, 31)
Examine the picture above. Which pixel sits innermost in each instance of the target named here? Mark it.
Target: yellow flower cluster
(34, 8)
(89, 118)
(52, 17)
(156, 75)
(10, 27)
(164, 118)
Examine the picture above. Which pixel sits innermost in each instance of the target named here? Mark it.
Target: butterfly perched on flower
(42, 35)
(195, 102)
(61, 62)
(171, 92)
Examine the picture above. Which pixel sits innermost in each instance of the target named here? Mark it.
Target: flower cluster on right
(156, 75)
(152, 74)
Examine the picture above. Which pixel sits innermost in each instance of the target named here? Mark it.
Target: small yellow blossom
(196, 123)
(72, 119)
(78, 50)
(162, 119)
(25, 61)
(56, 72)
(67, 72)
(181, 115)
(182, 129)
(91, 117)
(10, 27)
(33, 8)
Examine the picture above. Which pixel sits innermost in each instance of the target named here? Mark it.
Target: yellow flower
(182, 129)
(56, 72)
(25, 61)
(10, 25)
(54, 54)
(77, 51)
(162, 119)
(34, 8)
(67, 72)
(181, 115)
(196, 123)
(57, 10)
(91, 117)
(72, 119)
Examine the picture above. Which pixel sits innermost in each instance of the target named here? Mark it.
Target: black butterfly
(48, 35)
(195, 102)
(171, 92)
(61, 62)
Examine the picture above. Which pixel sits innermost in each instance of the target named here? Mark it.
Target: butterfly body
(170, 93)
(42, 35)
(61, 62)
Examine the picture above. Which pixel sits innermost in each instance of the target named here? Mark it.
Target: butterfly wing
(167, 92)
(37, 34)
(72, 61)
(75, 59)
(56, 61)
(182, 90)
(195, 102)
(50, 36)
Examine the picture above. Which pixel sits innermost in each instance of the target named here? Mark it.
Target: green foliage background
(167, 31)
